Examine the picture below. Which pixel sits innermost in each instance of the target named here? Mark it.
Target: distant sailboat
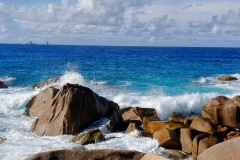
(47, 43)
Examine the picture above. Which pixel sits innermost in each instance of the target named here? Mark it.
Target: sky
(193, 23)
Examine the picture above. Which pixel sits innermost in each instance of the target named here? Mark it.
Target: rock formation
(39, 103)
(222, 151)
(73, 108)
(223, 111)
(103, 154)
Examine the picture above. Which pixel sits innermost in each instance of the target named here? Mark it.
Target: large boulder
(186, 138)
(137, 113)
(205, 143)
(203, 125)
(222, 151)
(195, 144)
(179, 118)
(2, 85)
(103, 154)
(167, 138)
(227, 78)
(151, 156)
(88, 137)
(153, 126)
(223, 111)
(74, 108)
(45, 83)
(39, 103)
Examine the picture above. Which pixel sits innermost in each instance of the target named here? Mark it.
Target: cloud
(233, 32)
(189, 6)
(217, 23)
(136, 20)
(231, 18)
(3, 32)
(183, 32)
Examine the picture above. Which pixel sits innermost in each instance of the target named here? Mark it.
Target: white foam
(166, 105)
(14, 99)
(201, 80)
(72, 77)
(6, 79)
(21, 144)
(131, 141)
(93, 82)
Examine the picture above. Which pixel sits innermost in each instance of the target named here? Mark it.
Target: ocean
(169, 79)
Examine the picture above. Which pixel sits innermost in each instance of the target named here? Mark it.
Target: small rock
(88, 137)
(233, 134)
(174, 154)
(2, 85)
(2, 140)
(132, 127)
(227, 78)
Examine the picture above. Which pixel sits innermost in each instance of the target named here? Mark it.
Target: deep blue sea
(168, 79)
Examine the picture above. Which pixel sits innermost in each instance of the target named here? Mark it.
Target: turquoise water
(165, 78)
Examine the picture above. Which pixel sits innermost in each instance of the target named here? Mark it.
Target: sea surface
(169, 79)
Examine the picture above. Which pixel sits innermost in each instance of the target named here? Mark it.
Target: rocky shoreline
(70, 109)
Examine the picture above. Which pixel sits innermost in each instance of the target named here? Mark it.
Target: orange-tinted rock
(223, 111)
(129, 114)
(73, 108)
(179, 118)
(39, 103)
(145, 123)
(132, 127)
(222, 132)
(233, 134)
(227, 78)
(153, 126)
(137, 113)
(196, 144)
(186, 138)
(205, 143)
(203, 125)
(88, 137)
(175, 154)
(167, 138)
